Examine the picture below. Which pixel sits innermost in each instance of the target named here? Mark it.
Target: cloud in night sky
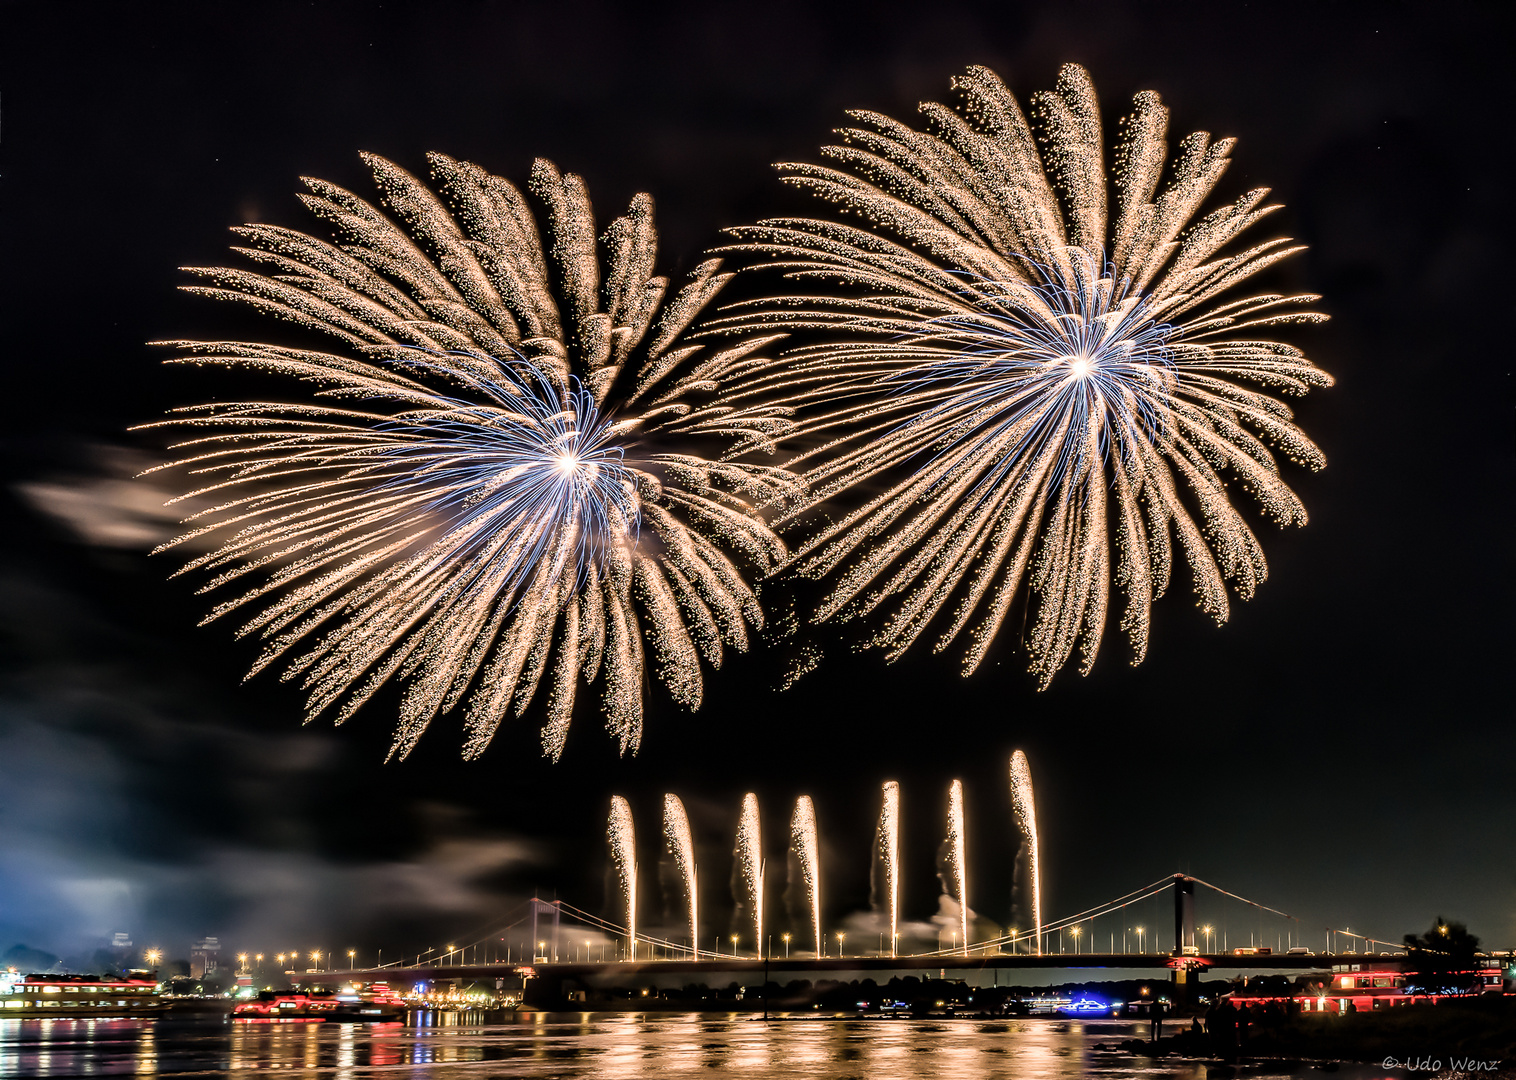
(128, 807)
(115, 507)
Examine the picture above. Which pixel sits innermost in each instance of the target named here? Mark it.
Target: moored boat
(50, 994)
(375, 1003)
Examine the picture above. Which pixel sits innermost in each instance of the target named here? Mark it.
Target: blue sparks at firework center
(527, 476)
(1073, 359)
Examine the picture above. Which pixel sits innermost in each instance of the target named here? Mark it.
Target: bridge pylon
(1184, 915)
(543, 913)
(1186, 973)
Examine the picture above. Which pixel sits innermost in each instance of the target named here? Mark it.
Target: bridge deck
(1218, 962)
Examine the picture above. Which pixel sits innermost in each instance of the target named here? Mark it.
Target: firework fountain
(804, 844)
(957, 874)
(889, 857)
(624, 854)
(1026, 820)
(681, 845)
(750, 865)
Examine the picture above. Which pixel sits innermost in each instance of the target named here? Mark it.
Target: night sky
(1341, 749)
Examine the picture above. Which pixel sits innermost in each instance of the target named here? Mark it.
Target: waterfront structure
(1370, 985)
(203, 957)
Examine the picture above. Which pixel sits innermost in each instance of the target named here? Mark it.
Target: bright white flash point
(1079, 367)
(566, 463)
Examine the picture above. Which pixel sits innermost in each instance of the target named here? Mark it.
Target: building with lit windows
(203, 957)
(1363, 987)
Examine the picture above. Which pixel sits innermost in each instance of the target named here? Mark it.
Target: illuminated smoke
(624, 854)
(750, 865)
(957, 872)
(676, 834)
(804, 844)
(487, 492)
(889, 857)
(1026, 819)
(1046, 368)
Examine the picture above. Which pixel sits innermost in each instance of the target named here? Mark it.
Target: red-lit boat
(373, 1004)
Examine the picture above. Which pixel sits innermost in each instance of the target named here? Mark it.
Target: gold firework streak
(491, 485)
(1042, 366)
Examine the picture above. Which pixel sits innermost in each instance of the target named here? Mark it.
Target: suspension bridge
(555, 940)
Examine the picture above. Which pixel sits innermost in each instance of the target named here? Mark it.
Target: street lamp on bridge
(351, 958)
(1207, 931)
(841, 936)
(1074, 933)
(1140, 932)
(786, 945)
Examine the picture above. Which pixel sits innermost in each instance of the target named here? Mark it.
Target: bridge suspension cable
(1243, 899)
(1135, 896)
(693, 951)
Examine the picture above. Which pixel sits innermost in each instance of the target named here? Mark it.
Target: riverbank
(1481, 1030)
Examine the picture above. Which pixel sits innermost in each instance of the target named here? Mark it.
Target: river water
(606, 1046)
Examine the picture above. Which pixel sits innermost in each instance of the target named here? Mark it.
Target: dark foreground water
(605, 1046)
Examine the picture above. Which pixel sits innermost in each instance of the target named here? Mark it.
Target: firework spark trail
(1046, 390)
(957, 861)
(889, 857)
(623, 843)
(1025, 807)
(681, 845)
(749, 855)
(488, 487)
(805, 845)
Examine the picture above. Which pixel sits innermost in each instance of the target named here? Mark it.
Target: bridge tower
(547, 912)
(1186, 972)
(1184, 914)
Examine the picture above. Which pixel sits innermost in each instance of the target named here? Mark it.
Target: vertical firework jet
(750, 866)
(889, 857)
(1026, 819)
(804, 843)
(676, 834)
(958, 886)
(624, 854)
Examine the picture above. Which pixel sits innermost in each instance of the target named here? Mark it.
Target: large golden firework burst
(494, 480)
(1043, 368)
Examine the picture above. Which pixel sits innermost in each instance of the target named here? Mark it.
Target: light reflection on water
(612, 1046)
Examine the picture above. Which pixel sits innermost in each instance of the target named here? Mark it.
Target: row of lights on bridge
(154, 956)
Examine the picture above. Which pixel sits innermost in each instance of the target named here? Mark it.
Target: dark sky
(1341, 749)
